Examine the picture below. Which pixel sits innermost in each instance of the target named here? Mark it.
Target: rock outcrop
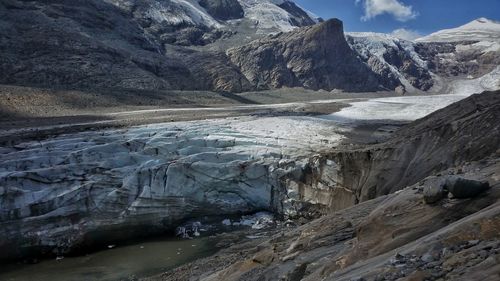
(316, 57)
(82, 44)
(459, 59)
(223, 9)
(300, 17)
(132, 45)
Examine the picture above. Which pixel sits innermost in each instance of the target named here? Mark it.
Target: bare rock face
(49, 52)
(393, 58)
(418, 76)
(316, 57)
(214, 71)
(223, 9)
(300, 18)
(121, 44)
(459, 59)
(152, 44)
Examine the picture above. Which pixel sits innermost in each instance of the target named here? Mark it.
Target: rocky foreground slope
(393, 236)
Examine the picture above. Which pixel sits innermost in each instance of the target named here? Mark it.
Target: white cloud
(374, 8)
(406, 34)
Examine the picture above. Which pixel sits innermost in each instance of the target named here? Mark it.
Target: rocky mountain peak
(300, 16)
(332, 29)
(315, 57)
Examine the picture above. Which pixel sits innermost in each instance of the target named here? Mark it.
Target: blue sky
(421, 16)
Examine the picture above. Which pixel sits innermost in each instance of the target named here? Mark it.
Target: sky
(408, 18)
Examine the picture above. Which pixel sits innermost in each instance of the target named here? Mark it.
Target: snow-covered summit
(481, 29)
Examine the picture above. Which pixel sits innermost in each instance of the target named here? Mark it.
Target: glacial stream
(120, 263)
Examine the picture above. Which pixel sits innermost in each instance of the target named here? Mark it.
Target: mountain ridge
(178, 45)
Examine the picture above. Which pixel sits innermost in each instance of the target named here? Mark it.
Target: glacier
(57, 191)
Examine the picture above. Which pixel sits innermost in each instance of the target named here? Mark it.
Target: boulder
(465, 188)
(434, 193)
(400, 90)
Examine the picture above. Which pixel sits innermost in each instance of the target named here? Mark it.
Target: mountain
(450, 61)
(132, 44)
(481, 29)
(316, 57)
(155, 45)
(222, 46)
(462, 56)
